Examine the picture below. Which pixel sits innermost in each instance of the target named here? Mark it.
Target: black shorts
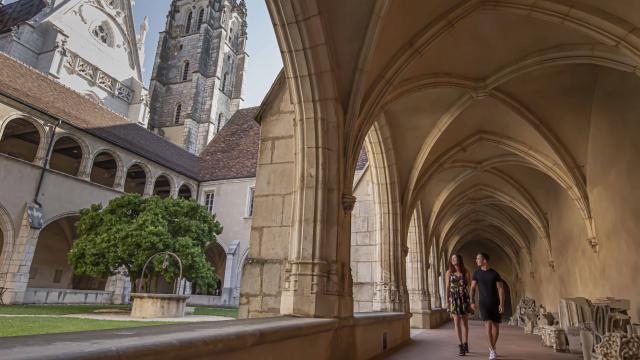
(489, 312)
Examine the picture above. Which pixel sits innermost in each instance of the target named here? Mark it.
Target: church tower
(198, 73)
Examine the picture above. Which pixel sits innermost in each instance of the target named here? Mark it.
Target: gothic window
(176, 118)
(220, 120)
(185, 71)
(230, 34)
(224, 82)
(187, 27)
(103, 33)
(200, 18)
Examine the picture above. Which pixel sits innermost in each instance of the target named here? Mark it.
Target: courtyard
(21, 320)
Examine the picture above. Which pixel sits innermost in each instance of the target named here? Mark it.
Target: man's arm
(500, 286)
(474, 285)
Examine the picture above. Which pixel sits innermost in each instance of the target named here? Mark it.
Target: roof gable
(233, 153)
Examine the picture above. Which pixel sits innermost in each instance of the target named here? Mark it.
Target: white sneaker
(492, 355)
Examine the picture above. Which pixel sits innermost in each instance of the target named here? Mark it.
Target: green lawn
(32, 325)
(228, 312)
(21, 325)
(56, 309)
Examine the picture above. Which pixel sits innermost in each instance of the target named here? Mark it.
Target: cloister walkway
(441, 344)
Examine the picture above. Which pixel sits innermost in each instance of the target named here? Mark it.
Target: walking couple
(488, 282)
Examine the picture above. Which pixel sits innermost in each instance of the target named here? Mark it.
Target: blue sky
(264, 60)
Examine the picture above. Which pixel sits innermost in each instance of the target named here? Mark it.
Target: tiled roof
(233, 153)
(36, 90)
(19, 12)
(362, 159)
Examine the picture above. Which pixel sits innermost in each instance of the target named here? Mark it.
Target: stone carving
(124, 92)
(85, 69)
(105, 81)
(554, 337)
(525, 314)
(545, 318)
(619, 346)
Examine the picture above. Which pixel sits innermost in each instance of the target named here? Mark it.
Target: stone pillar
(17, 276)
(230, 275)
(120, 286)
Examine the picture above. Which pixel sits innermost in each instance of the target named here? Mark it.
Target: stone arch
(163, 185)
(539, 161)
(69, 154)
(49, 266)
(201, 14)
(186, 191)
(188, 21)
(603, 27)
(22, 138)
(318, 256)
(216, 255)
(106, 168)
(136, 177)
(7, 235)
(390, 293)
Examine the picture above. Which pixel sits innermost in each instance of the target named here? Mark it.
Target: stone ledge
(190, 341)
(361, 337)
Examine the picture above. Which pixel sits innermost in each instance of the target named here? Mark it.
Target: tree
(130, 229)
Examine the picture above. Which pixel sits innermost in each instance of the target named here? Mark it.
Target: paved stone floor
(441, 344)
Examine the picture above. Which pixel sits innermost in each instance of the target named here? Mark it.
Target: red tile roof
(233, 153)
(35, 90)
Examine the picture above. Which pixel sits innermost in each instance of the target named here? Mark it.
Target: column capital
(348, 202)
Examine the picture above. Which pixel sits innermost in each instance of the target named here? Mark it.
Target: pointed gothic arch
(187, 26)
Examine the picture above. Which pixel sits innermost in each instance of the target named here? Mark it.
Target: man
(491, 299)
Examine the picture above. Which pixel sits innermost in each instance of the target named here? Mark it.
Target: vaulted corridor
(441, 344)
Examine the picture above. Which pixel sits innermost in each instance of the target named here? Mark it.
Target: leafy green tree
(130, 229)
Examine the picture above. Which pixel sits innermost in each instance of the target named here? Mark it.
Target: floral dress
(459, 303)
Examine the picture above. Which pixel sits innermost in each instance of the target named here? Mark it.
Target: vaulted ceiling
(488, 105)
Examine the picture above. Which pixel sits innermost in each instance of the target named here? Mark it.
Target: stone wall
(364, 247)
(264, 269)
(612, 178)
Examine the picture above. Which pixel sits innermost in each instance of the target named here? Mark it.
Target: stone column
(17, 276)
(231, 265)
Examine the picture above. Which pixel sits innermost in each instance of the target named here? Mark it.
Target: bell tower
(198, 74)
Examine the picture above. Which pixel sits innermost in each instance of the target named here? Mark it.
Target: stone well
(158, 305)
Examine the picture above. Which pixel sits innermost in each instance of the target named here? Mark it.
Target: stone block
(271, 279)
(283, 151)
(363, 253)
(278, 178)
(274, 242)
(363, 272)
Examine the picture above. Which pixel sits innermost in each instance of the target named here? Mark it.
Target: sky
(264, 61)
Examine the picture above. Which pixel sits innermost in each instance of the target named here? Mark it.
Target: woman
(458, 280)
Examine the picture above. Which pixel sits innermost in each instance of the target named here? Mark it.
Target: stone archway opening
(162, 187)
(20, 139)
(217, 257)
(104, 169)
(51, 277)
(185, 192)
(66, 156)
(135, 180)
